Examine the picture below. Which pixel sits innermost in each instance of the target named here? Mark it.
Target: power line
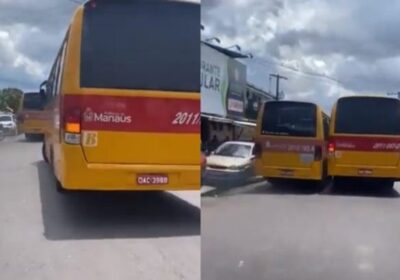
(305, 73)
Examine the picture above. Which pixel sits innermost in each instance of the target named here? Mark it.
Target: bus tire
(389, 185)
(44, 153)
(59, 187)
(29, 137)
(320, 185)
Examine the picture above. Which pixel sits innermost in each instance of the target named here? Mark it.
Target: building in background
(393, 94)
(229, 104)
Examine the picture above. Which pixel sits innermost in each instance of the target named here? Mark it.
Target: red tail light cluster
(331, 147)
(72, 122)
(72, 126)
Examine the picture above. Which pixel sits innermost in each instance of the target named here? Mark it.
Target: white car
(9, 124)
(233, 159)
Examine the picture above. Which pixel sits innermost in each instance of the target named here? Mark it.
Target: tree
(10, 99)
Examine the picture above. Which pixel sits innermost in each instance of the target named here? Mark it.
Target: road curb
(208, 191)
(216, 190)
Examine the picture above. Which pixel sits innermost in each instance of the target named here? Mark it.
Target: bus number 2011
(184, 118)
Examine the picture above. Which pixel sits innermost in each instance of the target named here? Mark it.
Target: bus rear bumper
(32, 127)
(289, 172)
(79, 175)
(384, 172)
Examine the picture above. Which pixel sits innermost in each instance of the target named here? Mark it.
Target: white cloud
(30, 35)
(355, 42)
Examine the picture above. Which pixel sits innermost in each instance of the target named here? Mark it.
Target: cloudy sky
(356, 43)
(31, 31)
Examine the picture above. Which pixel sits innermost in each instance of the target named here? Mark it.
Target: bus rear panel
(365, 138)
(291, 141)
(130, 98)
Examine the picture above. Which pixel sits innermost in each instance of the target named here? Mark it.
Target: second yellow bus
(365, 138)
(291, 141)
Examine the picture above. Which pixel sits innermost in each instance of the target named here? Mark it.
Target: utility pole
(278, 77)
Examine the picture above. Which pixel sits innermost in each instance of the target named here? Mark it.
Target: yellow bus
(291, 139)
(31, 117)
(365, 138)
(123, 98)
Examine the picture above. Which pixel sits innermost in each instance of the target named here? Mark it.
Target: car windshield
(5, 119)
(234, 150)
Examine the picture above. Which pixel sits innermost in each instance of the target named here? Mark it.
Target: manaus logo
(106, 117)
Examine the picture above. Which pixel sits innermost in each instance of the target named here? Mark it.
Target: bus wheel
(29, 137)
(388, 185)
(60, 188)
(44, 153)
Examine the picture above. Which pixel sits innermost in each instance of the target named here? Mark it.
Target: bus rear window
(149, 45)
(368, 115)
(289, 119)
(32, 101)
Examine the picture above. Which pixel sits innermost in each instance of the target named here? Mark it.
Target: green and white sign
(213, 81)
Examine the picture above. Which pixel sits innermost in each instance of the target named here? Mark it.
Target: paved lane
(45, 235)
(289, 233)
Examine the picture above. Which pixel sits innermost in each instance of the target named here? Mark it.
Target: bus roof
(298, 102)
(366, 96)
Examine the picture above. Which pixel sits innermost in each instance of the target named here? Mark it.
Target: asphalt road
(46, 235)
(292, 233)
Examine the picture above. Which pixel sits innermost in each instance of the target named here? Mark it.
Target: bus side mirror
(42, 91)
(43, 98)
(42, 94)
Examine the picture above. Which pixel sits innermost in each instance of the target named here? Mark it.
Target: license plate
(152, 179)
(306, 158)
(365, 172)
(287, 173)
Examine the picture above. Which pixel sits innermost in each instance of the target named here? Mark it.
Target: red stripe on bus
(370, 144)
(135, 114)
(291, 145)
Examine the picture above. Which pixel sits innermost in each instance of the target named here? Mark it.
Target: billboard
(253, 102)
(213, 81)
(236, 88)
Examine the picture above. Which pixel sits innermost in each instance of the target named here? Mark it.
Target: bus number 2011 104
(185, 118)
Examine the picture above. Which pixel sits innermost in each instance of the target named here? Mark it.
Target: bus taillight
(72, 126)
(331, 147)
